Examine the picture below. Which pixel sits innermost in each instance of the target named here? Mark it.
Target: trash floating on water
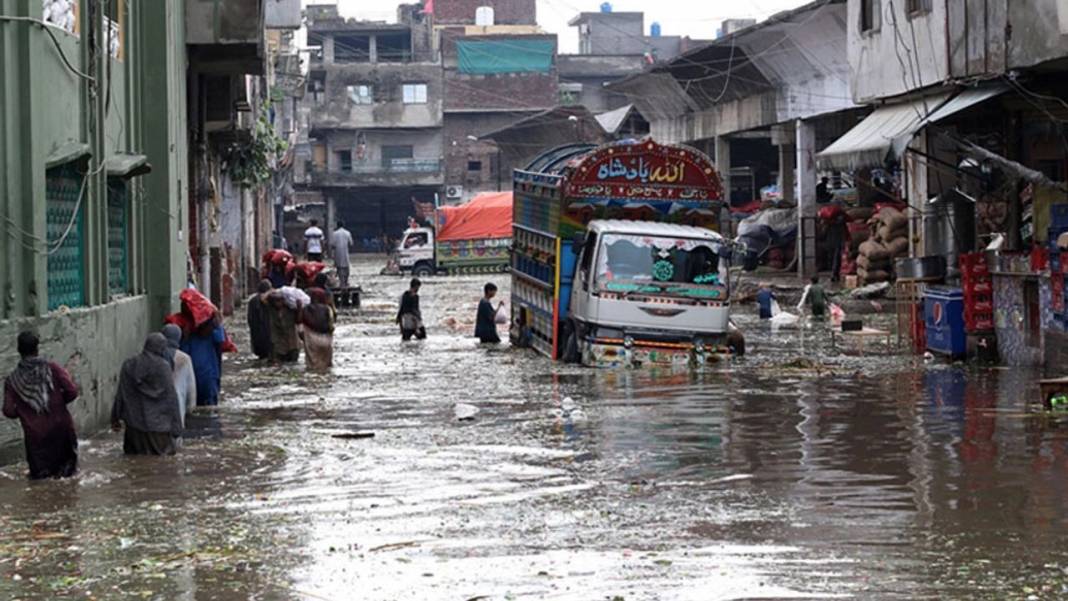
(465, 412)
(353, 435)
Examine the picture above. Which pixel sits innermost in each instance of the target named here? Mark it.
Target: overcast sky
(695, 18)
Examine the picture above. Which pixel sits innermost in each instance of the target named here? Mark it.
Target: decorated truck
(468, 238)
(616, 259)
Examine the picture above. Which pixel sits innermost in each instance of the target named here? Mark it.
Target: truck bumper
(601, 352)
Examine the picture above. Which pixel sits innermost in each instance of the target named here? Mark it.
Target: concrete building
(612, 46)
(230, 135)
(762, 100)
(498, 69)
(91, 182)
(970, 115)
(375, 103)
(610, 33)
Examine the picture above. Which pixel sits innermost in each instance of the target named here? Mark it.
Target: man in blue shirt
(764, 298)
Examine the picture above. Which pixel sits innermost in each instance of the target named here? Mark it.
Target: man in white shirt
(313, 242)
(341, 245)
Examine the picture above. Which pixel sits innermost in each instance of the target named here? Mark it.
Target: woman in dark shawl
(37, 394)
(259, 328)
(146, 402)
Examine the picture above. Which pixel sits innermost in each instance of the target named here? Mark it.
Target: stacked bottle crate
(978, 289)
(1058, 264)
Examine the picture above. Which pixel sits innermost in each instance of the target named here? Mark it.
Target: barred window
(64, 217)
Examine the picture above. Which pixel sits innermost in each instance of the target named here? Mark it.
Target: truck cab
(415, 252)
(647, 292)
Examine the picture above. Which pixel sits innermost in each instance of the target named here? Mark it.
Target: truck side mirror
(577, 241)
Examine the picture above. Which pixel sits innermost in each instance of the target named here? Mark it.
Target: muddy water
(844, 477)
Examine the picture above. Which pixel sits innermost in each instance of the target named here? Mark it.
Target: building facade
(374, 101)
(94, 227)
(969, 114)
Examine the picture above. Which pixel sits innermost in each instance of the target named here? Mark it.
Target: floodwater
(770, 477)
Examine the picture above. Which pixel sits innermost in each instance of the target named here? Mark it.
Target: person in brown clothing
(37, 394)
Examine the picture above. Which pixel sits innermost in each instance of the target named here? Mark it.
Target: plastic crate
(977, 287)
(1058, 215)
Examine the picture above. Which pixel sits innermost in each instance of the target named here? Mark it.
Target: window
(113, 25)
(415, 93)
(393, 48)
(352, 49)
(361, 94)
(394, 156)
(474, 166)
(869, 15)
(63, 14)
(118, 238)
(917, 7)
(344, 161)
(415, 240)
(646, 264)
(64, 216)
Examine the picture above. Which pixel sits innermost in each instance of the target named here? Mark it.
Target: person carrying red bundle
(205, 340)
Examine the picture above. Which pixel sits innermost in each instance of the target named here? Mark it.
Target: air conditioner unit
(454, 192)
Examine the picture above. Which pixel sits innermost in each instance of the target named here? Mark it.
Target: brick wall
(506, 12)
(510, 92)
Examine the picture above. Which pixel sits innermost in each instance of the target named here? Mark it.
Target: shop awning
(884, 133)
(127, 165)
(966, 99)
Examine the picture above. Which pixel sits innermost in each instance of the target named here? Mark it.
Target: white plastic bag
(502, 316)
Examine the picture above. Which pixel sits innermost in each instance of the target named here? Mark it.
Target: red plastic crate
(1039, 258)
(985, 286)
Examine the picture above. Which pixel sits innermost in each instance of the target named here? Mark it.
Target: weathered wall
(506, 12)
(513, 92)
(460, 151)
(223, 21)
(44, 108)
(880, 65)
(92, 344)
(388, 110)
(593, 73)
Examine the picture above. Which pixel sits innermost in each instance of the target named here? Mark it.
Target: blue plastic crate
(1058, 216)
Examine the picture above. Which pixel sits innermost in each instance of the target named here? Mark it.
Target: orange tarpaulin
(488, 215)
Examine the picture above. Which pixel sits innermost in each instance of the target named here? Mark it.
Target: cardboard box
(851, 282)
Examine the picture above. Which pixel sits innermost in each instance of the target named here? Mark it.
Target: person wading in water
(409, 317)
(37, 394)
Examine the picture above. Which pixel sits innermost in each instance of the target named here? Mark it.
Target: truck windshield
(649, 264)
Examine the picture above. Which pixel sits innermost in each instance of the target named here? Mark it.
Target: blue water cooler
(944, 314)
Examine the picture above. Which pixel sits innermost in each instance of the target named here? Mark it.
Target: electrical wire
(55, 42)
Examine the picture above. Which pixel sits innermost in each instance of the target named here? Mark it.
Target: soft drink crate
(984, 286)
(1058, 216)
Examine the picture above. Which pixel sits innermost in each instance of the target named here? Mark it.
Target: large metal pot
(921, 268)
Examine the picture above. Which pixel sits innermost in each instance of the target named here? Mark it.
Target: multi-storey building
(374, 106)
(500, 67)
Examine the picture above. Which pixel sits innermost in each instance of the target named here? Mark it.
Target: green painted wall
(137, 105)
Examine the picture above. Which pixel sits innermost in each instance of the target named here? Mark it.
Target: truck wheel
(570, 353)
(736, 342)
(422, 270)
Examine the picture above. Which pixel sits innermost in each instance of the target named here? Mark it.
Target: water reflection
(770, 477)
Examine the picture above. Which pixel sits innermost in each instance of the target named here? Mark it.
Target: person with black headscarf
(37, 394)
(146, 402)
(259, 326)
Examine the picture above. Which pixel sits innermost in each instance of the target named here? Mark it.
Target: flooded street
(767, 478)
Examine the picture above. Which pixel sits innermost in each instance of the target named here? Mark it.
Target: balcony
(396, 172)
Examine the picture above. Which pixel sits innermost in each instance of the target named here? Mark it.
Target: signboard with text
(645, 171)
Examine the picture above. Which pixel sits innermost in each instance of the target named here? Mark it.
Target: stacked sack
(889, 241)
